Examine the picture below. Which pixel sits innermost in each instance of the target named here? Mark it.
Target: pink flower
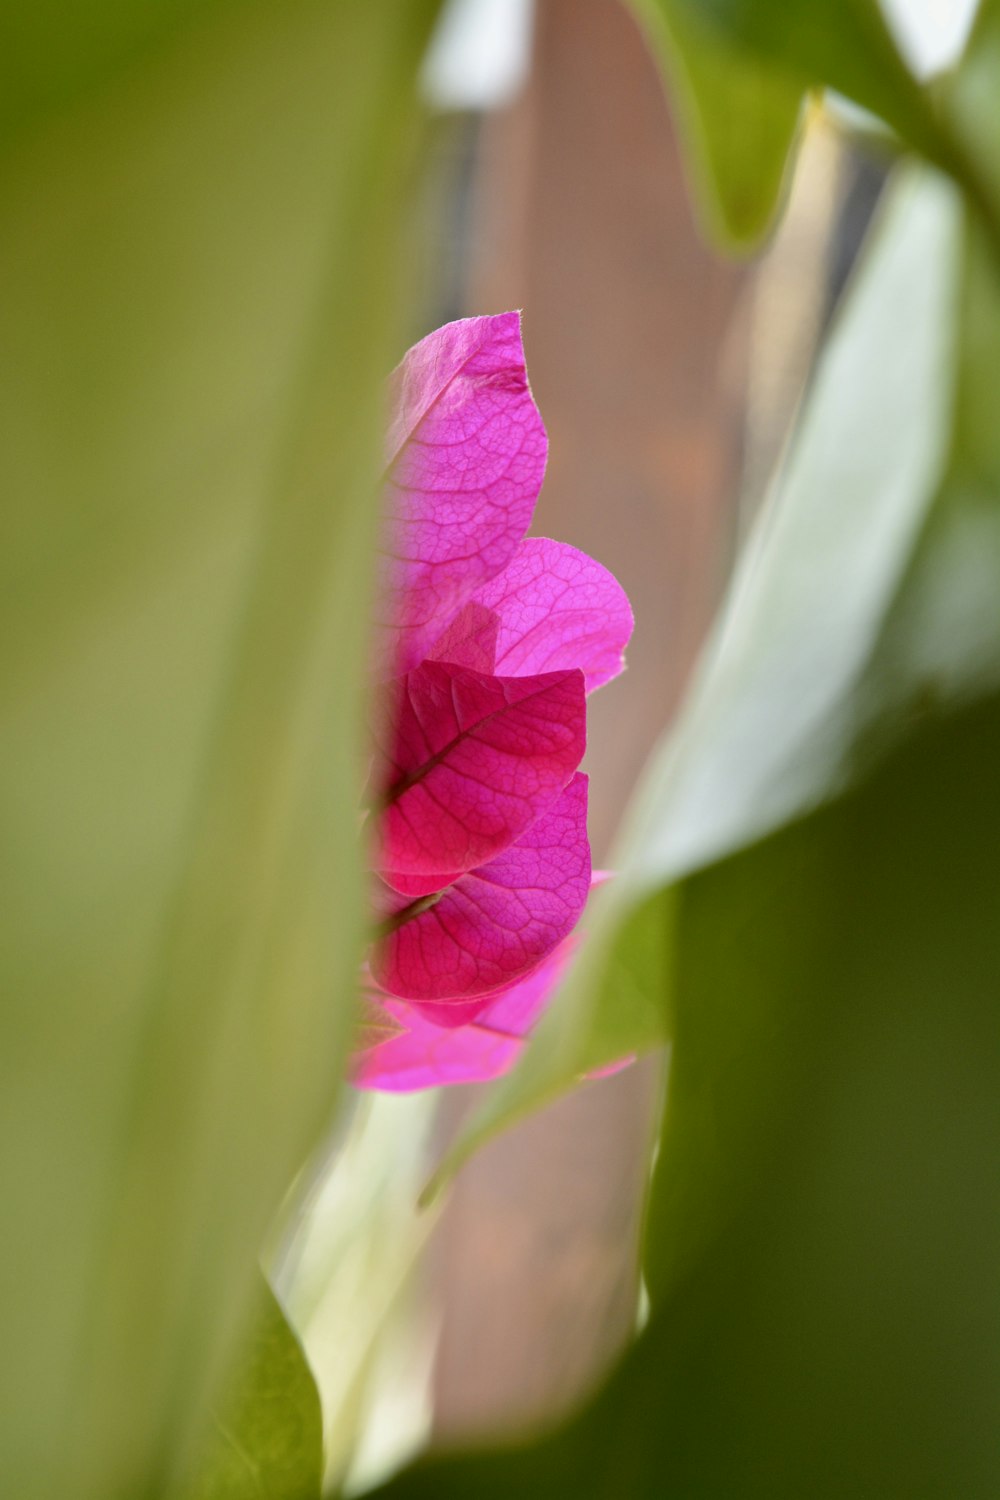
(488, 645)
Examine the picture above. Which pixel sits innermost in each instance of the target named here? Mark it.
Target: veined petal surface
(470, 640)
(466, 452)
(473, 760)
(424, 1055)
(557, 607)
(496, 923)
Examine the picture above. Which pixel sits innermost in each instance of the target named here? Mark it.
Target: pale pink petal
(470, 640)
(497, 922)
(472, 761)
(467, 452)
(424, 1056)
(558, 608)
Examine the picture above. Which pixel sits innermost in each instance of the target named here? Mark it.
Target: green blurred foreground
(203, 215)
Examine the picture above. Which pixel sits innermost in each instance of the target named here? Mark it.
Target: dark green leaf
(51, 54)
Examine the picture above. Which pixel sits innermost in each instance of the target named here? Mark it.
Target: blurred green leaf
(266, 1435)
(792, 679)
(842, 44)
(739, 115)
(969, 101)
(825, 1226)
(200, 260)
(51, 53)
(846, 45)
(940, 642)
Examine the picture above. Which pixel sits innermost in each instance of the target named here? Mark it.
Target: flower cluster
(488, 646)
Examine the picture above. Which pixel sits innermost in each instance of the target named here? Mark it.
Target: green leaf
(846, 45)
(789, 684)
(940, 643)
(825, 1226)
(52, 53)
(266, 1436)
(843, 44)
(739, 116)
(969, 103)
(200, 259)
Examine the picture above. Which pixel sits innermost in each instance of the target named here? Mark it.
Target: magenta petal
(513, 1009)
(558, 608)
(517, 1008)
(497, 922)
(423, 1055)
(467, 452)
(474, 760)
(412, 886)
(470, 640)
(453, 1015)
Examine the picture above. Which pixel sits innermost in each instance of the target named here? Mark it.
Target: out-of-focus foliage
(970, 100)
(741, 66)
(53, 55)
(825, 1225)
(740, 118)
(266, 1434)
(842, 44)
(200, 212)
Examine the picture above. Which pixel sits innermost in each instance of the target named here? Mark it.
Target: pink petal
(470, 640)
(474, 760)
(423, 1055)
(467, 452)
(558, 608)
(496, 923)
(413, 886)
(511, 1010)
